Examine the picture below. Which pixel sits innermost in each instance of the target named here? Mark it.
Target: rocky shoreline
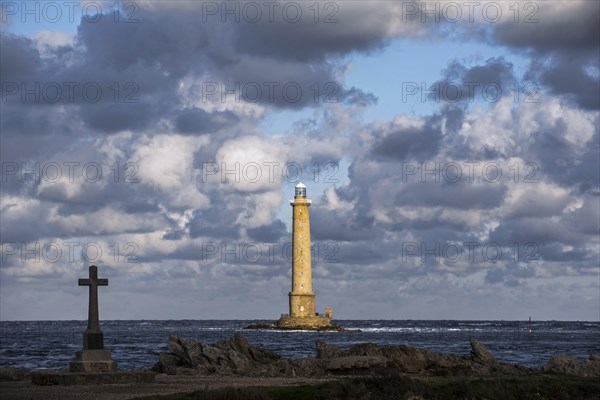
(237, 357)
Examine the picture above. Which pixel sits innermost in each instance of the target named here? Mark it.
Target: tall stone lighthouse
(302, 298)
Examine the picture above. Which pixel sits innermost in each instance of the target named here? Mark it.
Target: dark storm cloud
(341, 28)
(115, 117)
(564, 44)
(201, 225)
(554, 26)
(362, 252)
(196, 120)
(154, 42)
(463, 84)
(454, 195)
(174, 234)
(219, 222)
(20, 119)
(327, 225)
(19, 57)
(407, 142)
(140, 205)
(430, 223)
(285, 84)
(102, 97)
(536, 204)
(563, 161)
(586, 218)
(130, 199)
(90, 199)
(568, 75)
(557, 252)
(453, 116)
(273, 232)
(511, 275)
(538, 231)
(20, 62)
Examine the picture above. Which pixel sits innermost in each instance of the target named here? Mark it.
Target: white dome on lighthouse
(301, 185)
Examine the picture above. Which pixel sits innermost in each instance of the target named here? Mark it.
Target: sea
(35, 345)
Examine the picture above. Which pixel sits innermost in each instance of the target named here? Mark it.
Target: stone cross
(93, 339)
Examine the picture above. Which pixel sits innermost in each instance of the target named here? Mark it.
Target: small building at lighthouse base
(314, 322)
(303, 315)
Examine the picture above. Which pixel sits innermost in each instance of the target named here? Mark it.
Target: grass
(414, 388)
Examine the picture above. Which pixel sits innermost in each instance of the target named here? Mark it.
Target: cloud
(342, 28)
(249, 163)
(408, 139)
(187, 161)
(560, 48)
(165, 159)
(20, 57)
(550, 26)
(452, 195)
(461, 84)
(198, 121)
(274, 232)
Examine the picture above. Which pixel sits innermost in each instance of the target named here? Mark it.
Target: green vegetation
(414, 388)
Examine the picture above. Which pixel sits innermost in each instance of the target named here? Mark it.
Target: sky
(450, 149)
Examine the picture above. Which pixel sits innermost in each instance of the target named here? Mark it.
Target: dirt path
(165, 384)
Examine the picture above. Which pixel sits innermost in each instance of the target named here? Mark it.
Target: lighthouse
(302, 297)
(302, 313)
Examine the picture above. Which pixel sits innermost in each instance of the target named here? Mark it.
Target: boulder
(12, 374)
(566, 365)
(356, 362)
(413, 360)
(228, 357)
(306, 367)
(167, 364)
(480, 354)
(326, 351)
(409, 359)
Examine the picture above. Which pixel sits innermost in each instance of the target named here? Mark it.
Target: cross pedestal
(93, 361)
(93, 358)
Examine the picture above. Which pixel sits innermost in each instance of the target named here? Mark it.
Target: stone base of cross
(93, 361)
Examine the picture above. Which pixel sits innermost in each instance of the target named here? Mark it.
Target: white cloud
(256, 163)
(166, 161)
(102, 222)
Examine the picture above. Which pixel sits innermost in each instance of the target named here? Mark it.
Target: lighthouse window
(300, 191)
(301, 273)
(301, 286)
